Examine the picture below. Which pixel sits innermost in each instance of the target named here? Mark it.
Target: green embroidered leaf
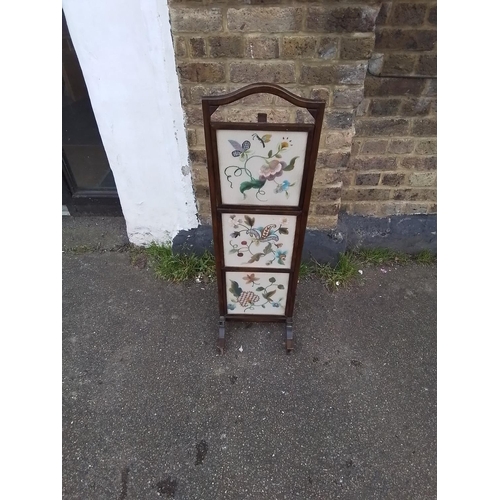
(281, 262)
(291, 165)
(281, 287)
(268, 249)
(270, 153)
(283, 230)
(253, 184)
(272, 280)
(278, 156)
(235, 289)
(233, 250)
(255, 258)
(250, 220)
(259, 289)
(268, 295)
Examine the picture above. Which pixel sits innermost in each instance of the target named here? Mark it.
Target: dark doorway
(88, 185)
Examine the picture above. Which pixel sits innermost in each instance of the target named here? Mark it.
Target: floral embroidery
(250, 300)
(250, 278)
(269, 171)
(258, 242)
(273, 166)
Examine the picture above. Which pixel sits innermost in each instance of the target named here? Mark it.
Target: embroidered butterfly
(240, 150)
(265, 138)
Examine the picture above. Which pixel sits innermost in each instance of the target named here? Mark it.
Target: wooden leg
(221, 340)
(289, 335)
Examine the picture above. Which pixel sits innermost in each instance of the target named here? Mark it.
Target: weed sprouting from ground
(337, 275)
(178, 267)
(185, 266)
(381, 256)
(425, 257)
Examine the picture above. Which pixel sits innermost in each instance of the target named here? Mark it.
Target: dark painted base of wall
(405, 233)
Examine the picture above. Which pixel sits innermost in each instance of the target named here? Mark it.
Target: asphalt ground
(151, 410)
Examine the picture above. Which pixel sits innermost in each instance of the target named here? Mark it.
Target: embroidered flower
(276, 304)
(250, 278)
(271, 170)
(231, 307)
(282, 187)
(281, 256)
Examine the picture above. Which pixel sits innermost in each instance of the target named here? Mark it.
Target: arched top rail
(262, 88)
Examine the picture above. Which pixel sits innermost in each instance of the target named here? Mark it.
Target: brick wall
(317, 50)
(392, 168)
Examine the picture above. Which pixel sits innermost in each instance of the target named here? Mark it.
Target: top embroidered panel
(261, 167)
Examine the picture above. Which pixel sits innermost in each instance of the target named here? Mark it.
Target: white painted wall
(125, 51)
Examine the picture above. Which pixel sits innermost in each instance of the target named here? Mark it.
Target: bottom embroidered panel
(256, 293)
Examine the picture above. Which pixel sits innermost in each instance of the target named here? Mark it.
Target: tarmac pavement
(151, 410)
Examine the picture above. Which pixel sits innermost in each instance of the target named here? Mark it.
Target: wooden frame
(316, 109)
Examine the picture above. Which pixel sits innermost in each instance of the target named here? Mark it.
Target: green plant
(425, 257)
(340, 274)
(180, 266)
(380, 256)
